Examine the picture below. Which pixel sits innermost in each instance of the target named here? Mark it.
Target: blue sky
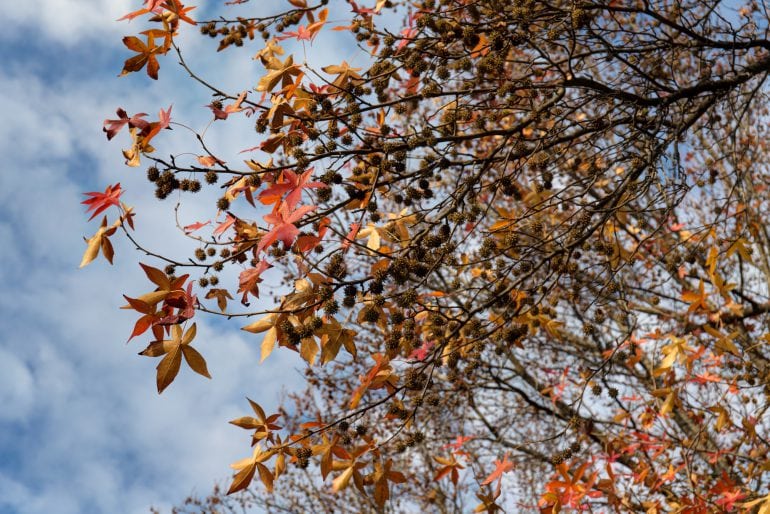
(82, 428)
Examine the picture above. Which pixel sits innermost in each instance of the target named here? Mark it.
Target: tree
(523, 236)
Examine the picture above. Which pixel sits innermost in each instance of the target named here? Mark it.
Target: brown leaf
(195, 360)
(243, 478)
(308, 350)
(266, 476)
(168, 368)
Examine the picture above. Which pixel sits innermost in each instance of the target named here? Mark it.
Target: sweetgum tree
(522, 243)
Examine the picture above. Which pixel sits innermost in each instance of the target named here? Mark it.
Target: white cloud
(83, 427)
(65, 21)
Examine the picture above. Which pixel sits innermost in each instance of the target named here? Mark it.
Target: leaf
(266, 324)
(743, 247)
(209, 160)
(372, 232)
(345, 74)
(168, 368)
(156, 276)
(112, 127)
(763, 509)
(696, 300)
(189, 229)
(292, 185)
(333, 337)
(173, 350)
(249, 280)
(283, 228)
(268, 343)
(195, 360)
(280, 72)
(266, 476)
(351, 236)
(99, 241)
(146, 56)
(501, 467)
(222, 114)
(222, 295)
(242, 479)
(308, 350)
(341, 482)
(261, 325)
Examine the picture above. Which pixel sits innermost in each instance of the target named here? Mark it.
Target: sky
(82, 428)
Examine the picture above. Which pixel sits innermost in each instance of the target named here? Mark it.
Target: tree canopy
(521, 248)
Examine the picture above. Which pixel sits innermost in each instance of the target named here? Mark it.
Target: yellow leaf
(669, 404)
(195, 360)
(168, 368)
(281, 72)
(268, 343)
(372, 232)
(341, 482)
(724, 343)
(711, 260)
(764, 509)
(742, 246)
(261, 325)
(308, 350)
(99, 241)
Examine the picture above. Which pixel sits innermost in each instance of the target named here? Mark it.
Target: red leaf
(112, 127)
(501, 466)
(99, 202)
(283, 225)
(209, 160)
(249, 279)
(354, 228)
(222, 114)
(189, 229)
(222, 227)
(292, 184)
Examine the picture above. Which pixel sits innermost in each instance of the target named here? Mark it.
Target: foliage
(523, 248)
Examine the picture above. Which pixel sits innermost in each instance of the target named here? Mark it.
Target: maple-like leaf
(501, 467)
(189, 229)
(246, 468)
(422, 352)
(100, 240)
(164, 120)
(351, 236)
(139, 145)
(263, 425)
(112, 127)
(282, 72)
(570, 490)
(333, 337)
(283, 229)
(696, 300)
(99, 202)
(146, 56)
(170, 294)
(179, 11)
(269, 325)
(222, 113)
(458, 442)
(309, 32)
(382, 476)
(151, 6)
(248, 280)
(209, 160)
(173, 350)
(345, 74)
(222, 295)
(222, 227)
(292, 185)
